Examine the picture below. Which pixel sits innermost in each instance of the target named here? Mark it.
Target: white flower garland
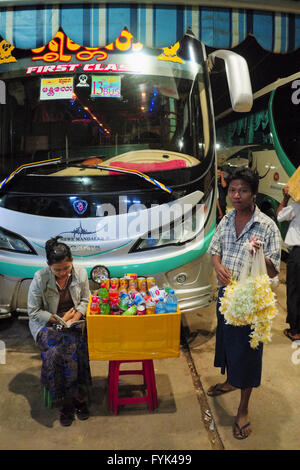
(251, 302)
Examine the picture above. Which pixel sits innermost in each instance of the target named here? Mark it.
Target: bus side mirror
(238, 78)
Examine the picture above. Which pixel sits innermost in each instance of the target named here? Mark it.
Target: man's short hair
(249, 176)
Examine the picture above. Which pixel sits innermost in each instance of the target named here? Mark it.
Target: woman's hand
(69, 315)
(72, 315)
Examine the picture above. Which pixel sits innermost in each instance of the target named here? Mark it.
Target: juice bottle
(102, 292)
(95, 307)
(113, 293)
(105, 308)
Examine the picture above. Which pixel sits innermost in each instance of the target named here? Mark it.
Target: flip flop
(288, 333)
(240, 435)
(217, 390)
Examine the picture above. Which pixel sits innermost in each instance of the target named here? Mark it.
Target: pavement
(186, 418)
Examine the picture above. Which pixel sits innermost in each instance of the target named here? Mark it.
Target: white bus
(276, 160)
(115, 152)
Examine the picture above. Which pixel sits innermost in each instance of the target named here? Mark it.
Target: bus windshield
(143, 121)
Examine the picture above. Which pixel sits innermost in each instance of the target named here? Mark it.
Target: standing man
(228, 248)
(222, 194)
(291, 213)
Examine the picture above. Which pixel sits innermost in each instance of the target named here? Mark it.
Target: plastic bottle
(171, 302)
(160, 306)
(95, 306)
(123, 304)
(102, 292)
(138, 298)
(105, 308)
(132, 309)
(115, 309)
(113, 293)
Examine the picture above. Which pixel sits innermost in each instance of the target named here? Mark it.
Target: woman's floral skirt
(65, 366)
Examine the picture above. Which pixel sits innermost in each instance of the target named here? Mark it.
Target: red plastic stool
(113, 385)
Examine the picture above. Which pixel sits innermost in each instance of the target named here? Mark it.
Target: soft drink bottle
(95, 307)
(115, 309)
(113, 293)
(160, 306)
(171, 302)
(105, 308)
(103, 292)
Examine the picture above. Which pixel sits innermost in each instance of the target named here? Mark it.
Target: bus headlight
(10, 241)
(183, 231)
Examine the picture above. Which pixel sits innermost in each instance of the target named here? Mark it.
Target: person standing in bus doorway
(233, 353)
(222, 194)
(61, 289)
(291, 213)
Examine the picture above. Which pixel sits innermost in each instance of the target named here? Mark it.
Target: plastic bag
(251, 301)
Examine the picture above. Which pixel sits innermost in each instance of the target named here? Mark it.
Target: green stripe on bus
(146, 268)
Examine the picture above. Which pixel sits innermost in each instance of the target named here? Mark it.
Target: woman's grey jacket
(43, 296)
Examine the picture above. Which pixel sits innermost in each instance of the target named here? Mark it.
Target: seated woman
(61, 289)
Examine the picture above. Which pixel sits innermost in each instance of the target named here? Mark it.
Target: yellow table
(137, 337)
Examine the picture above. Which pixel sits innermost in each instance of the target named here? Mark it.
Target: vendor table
(136, 338)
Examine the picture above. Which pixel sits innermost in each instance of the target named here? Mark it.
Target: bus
(273, 148)
(115, 153)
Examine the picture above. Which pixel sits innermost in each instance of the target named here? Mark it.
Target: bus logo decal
(80, 206)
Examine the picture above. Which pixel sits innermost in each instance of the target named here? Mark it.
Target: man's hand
(285, 192)
(223, 273)
(255, 245)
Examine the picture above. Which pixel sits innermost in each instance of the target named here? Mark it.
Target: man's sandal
(240, 434)
(217, 390)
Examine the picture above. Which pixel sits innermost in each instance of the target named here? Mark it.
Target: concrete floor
(185, 418)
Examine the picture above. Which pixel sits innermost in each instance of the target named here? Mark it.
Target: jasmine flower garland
(250, 302)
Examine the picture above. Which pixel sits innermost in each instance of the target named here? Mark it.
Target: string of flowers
(250, 302)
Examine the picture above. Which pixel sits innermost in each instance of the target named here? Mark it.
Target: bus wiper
(130, 172)
(28, 165)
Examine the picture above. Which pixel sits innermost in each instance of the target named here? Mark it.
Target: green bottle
(102, 292)
(104, 308)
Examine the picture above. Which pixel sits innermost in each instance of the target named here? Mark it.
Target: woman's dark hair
(250, 177)
(57, 252)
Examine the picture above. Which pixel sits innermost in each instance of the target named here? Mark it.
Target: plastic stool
(48, 400)
(113, 385)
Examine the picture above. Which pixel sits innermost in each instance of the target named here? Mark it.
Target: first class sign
(63, 68)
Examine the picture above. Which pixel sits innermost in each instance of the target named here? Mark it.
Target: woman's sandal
(82, 411)
(66, 416)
